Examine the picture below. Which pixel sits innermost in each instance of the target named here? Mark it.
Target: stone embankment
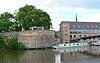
(33, 39)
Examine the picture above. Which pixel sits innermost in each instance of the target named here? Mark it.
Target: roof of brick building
(83, 25)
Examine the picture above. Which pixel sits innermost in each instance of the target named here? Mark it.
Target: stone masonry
(32, 38)
(36, 38)
(9, 35)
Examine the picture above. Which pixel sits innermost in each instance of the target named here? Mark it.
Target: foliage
(6, 21)
(1, 41)
(14, 44)
(26, 17)
(29, 16)
(56, 34)
(21, 46)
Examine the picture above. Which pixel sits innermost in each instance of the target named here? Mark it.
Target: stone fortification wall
(36, 38)
(9, 35)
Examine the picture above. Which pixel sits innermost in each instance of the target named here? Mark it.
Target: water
(70, 55)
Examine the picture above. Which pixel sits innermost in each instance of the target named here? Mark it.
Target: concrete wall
(36, 38)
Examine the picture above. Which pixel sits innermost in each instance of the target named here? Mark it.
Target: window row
(84, 31)
(76, 36)
(85, 26)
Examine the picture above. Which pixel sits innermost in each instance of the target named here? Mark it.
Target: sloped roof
(84, 25)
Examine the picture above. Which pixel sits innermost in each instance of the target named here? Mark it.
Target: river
(70, 55)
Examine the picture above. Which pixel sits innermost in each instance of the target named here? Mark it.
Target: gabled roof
(83, 25)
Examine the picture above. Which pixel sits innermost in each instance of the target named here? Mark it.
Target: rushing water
(70, 55)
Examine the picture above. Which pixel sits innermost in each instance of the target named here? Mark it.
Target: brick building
(73, 30)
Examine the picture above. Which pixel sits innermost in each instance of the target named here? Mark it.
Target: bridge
(88, 38)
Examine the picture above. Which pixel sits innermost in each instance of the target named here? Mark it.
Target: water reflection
(10, 56)
(78, 55)
(93, 51)
(38, 56)
(70, 55)
(64, 55)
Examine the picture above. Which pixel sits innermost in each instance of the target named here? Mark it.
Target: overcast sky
(59, 10)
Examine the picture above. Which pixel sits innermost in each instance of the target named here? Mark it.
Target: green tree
(6, 21)
(29, 16)
(17, 27)
(56, 34)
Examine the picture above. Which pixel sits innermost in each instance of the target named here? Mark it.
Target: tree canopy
(26, 17)
(29, 16)
(6, 22)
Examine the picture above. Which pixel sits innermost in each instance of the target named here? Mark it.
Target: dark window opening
(84, 35)
(74, 36)
(70, 36)
(80, 35)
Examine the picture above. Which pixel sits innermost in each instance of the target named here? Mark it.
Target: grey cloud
(90, 4)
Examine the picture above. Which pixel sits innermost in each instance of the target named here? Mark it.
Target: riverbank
(38, 48)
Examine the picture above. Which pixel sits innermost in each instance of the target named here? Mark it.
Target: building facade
(74, 30)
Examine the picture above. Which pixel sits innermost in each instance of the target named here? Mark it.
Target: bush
(2, 43)
(14, 44)
(21, 46)
(11, 44)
